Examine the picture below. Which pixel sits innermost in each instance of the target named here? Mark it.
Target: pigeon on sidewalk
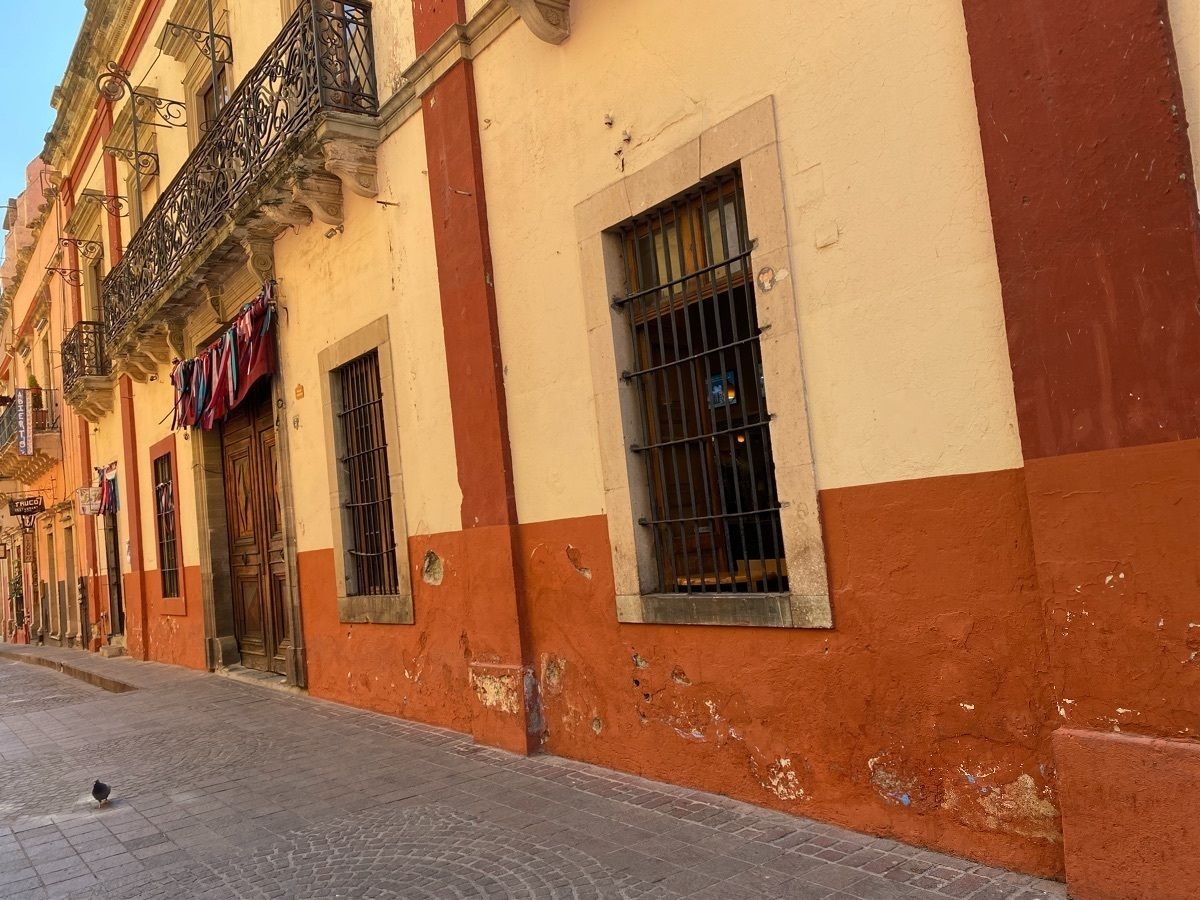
(100, 792)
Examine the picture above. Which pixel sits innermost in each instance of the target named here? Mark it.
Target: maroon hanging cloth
(215, 381)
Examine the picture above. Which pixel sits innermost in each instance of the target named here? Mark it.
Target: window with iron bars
(164, 519)
(706, 441)
(367, 494)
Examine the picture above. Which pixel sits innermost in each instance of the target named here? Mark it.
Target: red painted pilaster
(504, 704)
(1094, 213)
(137, 627)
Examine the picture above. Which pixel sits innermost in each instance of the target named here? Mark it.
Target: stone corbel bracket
(319, 191)
(549, 20)
(353, 161)
(260, 255)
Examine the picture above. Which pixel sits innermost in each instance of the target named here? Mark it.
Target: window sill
(746, 610)
(376, 609)
(174, 606)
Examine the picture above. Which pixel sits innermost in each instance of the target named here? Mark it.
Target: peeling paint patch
(499, 692)
(639, 661)
(432, 569)
(553, 669)
(782, 780)
(891, 786)
(679, 676)
(576, 560)
(1020, 808)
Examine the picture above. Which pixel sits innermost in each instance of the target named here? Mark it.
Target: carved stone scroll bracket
(260, 255)
(155, 344)
(286, 212)
(320, 192)
(135, 363)
(212, 296)
(549, 20)
(175, 338)
(354, 163)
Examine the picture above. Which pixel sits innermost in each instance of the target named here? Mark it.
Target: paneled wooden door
(256, 547)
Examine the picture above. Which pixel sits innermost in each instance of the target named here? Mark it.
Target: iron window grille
(164, 520)
(367, 505)
(706, 442)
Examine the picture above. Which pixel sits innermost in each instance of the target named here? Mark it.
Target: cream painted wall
(901, 319)
(1185, 22)
(152, 402)
(395, 44)
(383, 264)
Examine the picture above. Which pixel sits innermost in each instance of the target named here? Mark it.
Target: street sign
(88, 501)
(26, 506)
(24, 423)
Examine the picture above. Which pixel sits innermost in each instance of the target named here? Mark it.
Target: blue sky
(35, 42)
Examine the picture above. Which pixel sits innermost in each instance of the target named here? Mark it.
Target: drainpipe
(133, 512)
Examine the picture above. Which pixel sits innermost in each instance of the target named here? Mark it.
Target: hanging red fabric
(213, 382)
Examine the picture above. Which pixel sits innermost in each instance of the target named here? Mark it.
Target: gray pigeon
(100, 792)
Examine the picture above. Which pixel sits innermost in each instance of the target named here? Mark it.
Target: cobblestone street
(223, 789)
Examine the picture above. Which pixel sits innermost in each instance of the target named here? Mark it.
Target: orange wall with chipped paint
(172, 637)
(922, 716)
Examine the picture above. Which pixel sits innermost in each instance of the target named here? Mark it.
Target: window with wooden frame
(370, 538)
(213, 96)
(93, 278)
(705, 445)
(165, 524)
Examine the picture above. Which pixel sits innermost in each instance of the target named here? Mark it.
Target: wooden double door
(257, 561)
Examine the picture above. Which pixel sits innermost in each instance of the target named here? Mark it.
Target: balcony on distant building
(298, 129)
(30, 444)
(87, 375)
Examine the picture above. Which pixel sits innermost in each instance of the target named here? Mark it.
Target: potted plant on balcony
(35, 392)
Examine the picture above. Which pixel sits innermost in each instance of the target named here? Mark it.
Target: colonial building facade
(781, 400)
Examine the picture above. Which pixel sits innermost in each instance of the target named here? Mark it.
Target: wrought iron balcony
(29, 440)
(87, 385)
(321, 66)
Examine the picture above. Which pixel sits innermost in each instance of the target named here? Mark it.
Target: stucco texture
(1129, 815)
(901, 324)
(381, 265)
(922, 715)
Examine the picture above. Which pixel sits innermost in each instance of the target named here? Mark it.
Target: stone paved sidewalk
(225, 790)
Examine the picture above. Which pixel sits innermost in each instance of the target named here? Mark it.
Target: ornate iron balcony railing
(321, 60)
(83, 354)
(43, 406)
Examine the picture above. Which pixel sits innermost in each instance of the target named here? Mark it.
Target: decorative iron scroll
(87, 249)
(216, 47)
(145, 109)
(113, 204)
(321, 60)
(83, 354)
(73, 277)
(144, 161)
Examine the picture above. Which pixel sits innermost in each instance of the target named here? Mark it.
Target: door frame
(215, 580)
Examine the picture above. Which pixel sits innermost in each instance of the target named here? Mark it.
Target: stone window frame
(749, 140)
(392, 609)
(171, 606)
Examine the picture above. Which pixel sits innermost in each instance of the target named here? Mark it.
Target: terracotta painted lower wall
(1129, 815)
(1118, 553)
(921, 715)
(176, 629)
(418, 671)
(960, 644)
